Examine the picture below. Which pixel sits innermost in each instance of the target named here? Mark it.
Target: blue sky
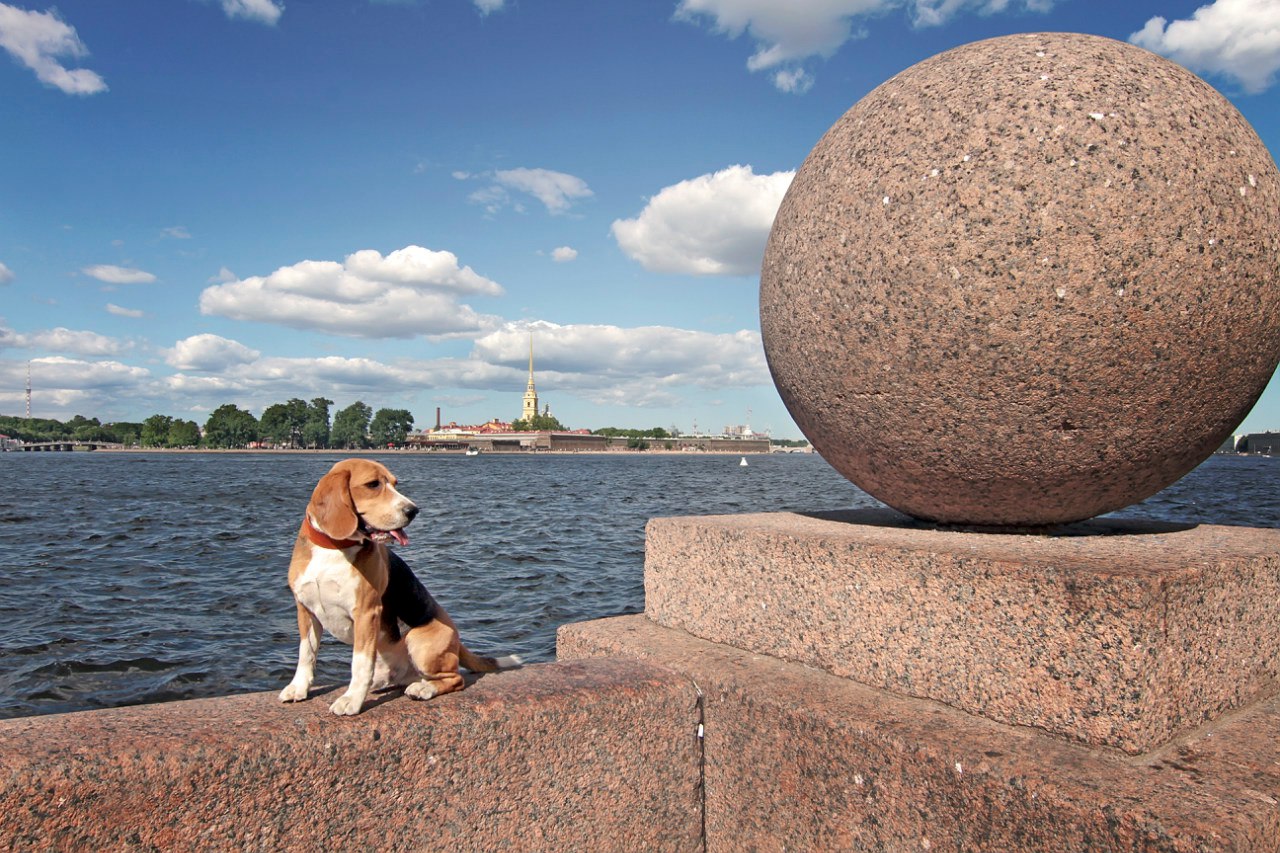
(243, 201)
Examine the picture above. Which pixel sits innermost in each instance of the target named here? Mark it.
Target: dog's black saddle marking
(406, 599)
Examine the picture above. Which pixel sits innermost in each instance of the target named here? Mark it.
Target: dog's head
(357, 499)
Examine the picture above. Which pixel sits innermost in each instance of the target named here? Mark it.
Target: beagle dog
(346, 580)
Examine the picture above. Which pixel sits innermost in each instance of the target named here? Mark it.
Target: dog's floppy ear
(332, 508)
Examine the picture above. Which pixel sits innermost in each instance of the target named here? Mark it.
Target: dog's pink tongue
(399, 536)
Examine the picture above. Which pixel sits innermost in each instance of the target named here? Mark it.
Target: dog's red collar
(319, 538)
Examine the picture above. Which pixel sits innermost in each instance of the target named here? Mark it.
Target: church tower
(530, 408)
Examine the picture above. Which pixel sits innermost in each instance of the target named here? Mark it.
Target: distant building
(1264, 443)
(1230, 445)
(529, 410)
(742, 431)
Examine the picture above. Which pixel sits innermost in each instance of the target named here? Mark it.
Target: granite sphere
(1026, 281)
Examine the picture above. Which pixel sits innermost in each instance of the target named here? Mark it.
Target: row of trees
(536, 423)
(616, 432)
(78, 428)
(295, 424)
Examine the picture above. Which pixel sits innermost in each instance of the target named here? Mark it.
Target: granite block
(592, 755)
(1112, 633)
(798, 759)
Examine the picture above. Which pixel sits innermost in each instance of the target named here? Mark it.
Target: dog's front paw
(347, 705)
(295, 692)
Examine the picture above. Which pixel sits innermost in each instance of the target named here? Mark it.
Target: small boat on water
(473, 451)
(743, 462)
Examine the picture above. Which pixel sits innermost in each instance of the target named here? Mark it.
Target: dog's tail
(480, 663)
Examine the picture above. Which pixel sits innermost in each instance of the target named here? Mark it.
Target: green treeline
(294, 424)
(616, 432)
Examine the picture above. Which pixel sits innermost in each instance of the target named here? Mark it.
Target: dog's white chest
(328, 589)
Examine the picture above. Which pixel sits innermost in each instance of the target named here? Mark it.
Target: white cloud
(710, 225)
(563, 254)
(410, 292)
(57, 373)
(414, 265)
(1239, 39)
(65, 340)
(786, 34)
(125, 312)
(118, 275)
(603, 358)
(642, 366)
(487, 6)
(224, 275)
(556, 190)
(208, 353)
(177, 232)
(795, 80)
(6, 274)
(262, 11)
(37, 40)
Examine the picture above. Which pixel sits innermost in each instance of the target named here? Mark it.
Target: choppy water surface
(129, 578)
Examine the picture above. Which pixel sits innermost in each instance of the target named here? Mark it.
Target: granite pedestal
(871, 683)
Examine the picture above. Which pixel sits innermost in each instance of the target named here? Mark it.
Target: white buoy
(743, 463)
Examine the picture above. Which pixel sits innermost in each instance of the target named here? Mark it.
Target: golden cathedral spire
(530, 407)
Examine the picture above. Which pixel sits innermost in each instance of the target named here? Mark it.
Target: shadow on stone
(1093, 527)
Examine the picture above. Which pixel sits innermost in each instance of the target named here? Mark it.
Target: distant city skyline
(242, 201)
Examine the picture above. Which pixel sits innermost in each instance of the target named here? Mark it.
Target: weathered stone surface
(796, 759)
(593, 755)
(1118, 634)
(1027, 281)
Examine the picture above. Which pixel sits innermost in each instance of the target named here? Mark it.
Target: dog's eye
(373, 484)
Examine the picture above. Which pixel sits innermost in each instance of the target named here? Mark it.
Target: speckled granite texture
(596, 755)
(797, 759)
(1026, 281)
(1112, 634)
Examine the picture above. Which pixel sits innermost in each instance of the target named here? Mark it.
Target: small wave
(64, 668)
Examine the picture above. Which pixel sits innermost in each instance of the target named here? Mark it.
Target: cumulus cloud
(177, 232)
(556, 190)
(563, 254)
(412, 291)
(64, 340)
(125, 312)
(714, 224)
(1239, 39)
(484, 7)
(111, 274)
(786, 34)
(795, 80)
(261, 11)
(208, 353)
(63, 387)
(6, 274)
(39, 40)
(601, 357)
(644, 366)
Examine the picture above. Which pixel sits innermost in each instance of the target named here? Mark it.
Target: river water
(146, 577)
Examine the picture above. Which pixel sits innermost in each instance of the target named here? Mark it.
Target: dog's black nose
(411, 512)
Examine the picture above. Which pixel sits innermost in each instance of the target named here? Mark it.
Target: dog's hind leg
(434, 650)
(393, 668)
